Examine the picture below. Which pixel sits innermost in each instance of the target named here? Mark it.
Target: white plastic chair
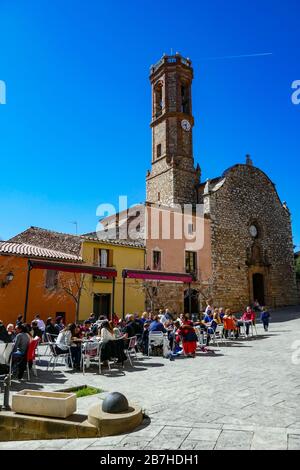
(214, 338)
(31, 353)
(253, 328)
(200, 336)
(47, 352)
(54, 357)
(130, 350)
(156, 338)
(91, 351)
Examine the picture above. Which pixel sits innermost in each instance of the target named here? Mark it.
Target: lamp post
(8, 279)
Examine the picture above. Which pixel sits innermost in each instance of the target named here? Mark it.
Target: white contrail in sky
(259, 54)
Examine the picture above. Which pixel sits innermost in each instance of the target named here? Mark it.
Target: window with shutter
(51, 279)
(103, 258)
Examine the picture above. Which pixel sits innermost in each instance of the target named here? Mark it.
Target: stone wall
(249, 197)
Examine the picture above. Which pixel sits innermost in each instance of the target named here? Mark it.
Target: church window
(158, 151)
(158, 99)
(185, 99)
(157, 260)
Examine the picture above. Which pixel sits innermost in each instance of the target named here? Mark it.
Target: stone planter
(51, 404)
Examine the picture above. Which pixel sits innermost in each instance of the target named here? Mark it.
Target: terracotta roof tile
(66, 243)
(23, 249)
(49, 239)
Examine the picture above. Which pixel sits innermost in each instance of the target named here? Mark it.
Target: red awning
(73, 268)
(157, 276)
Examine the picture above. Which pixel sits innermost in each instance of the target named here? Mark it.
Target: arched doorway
(194, 301)
(259, 288)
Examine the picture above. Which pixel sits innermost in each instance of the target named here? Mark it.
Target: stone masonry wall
(249, 197)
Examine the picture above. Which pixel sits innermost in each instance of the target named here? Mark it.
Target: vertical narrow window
(191, 262)
(103, 258)
(185, 99)
(158, 197)
(158, 151)
(157, 260)
(158, 99)
(51, 279)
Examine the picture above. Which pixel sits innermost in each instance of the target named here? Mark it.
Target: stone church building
(247, 253)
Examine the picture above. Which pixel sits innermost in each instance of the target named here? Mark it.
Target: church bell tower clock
(173, 178)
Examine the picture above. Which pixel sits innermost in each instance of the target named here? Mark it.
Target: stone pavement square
(245, 396)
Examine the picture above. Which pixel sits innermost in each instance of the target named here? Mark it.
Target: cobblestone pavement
(245, 396)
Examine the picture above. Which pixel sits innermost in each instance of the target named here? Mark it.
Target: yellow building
(97, 294)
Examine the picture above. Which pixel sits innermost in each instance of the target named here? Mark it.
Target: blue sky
(75, 130)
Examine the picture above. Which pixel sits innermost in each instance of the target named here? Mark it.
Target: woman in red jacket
(189, 337)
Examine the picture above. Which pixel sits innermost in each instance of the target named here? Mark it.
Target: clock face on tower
(186, 126)
(253, 231)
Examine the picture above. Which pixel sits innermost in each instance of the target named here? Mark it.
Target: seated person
(115, 319)
(221, 313)
(86, 329)
(248, 318)
(144, 317)
(145, 338)
(67, 339)
(113, 348)
(229, 321)
(216, 320)
(35, 330)
(177, 336)
(166, 316)
(78, 332)
(97, 325)
(107, 332)
(60, 323)
(4, 335)
(11, 332)
(169, 327)
(51, 328)
(156, 325)
(208, 316)
(117, 332)
(137, 325)
(129, 328)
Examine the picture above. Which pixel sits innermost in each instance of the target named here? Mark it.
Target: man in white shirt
(167, 316)
(40, 323)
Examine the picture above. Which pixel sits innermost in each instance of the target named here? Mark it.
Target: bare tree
(74, 286)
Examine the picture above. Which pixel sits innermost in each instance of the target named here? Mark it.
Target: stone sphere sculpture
(115, 402)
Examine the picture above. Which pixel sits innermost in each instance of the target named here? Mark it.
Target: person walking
(265, 318)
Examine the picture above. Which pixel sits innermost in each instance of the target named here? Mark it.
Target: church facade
(249, 253)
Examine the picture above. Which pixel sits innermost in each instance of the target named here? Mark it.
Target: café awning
(76, 268)
(149, 275)
(109, 273)
(157, 275)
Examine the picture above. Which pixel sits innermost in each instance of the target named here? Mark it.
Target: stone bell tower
(173, 177)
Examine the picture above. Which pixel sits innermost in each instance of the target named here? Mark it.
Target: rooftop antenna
(76, 225)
